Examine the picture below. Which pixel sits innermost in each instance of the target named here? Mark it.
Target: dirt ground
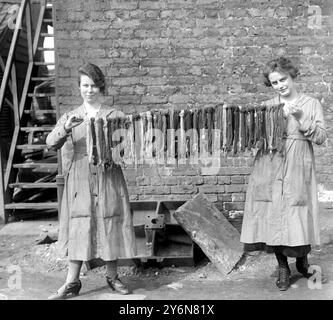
(31, 271)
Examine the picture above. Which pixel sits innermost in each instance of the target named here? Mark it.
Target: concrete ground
(31, 271)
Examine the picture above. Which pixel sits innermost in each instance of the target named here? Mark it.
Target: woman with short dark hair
(281, 208)
(95, 219)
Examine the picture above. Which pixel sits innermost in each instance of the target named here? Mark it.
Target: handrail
(12, 51)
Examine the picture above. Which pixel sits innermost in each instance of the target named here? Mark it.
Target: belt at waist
(295, 137)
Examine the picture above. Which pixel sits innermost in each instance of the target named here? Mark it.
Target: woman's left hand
(296, 112)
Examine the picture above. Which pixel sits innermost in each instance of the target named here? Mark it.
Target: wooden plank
(41, 95)
(40, 111)
(41, 78)
(33, 185)
(31, 146)
(51, 35)
(32, 205)
(35, 165)
(39, 63)
(212, 231)
(36, 129)
(45, 49)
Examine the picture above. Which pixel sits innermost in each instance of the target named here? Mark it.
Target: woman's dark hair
(282, 65)
(94, 73)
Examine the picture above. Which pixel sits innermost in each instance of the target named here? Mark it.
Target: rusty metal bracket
(155, 222)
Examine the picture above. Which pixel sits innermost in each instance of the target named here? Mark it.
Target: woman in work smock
(95, 220)
(281, 208)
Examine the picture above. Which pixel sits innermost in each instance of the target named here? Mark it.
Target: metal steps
(33, 185)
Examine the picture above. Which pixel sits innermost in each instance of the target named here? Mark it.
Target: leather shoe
(283, 281)
(67, 290)
(117, 285)
(303, 266)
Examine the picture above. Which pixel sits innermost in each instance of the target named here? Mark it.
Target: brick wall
(190, 53)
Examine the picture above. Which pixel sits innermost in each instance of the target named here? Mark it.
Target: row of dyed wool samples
(167, 136)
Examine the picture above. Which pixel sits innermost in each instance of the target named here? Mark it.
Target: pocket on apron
(298, 186)
(263, 176)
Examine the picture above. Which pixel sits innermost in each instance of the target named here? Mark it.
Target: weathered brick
(157, 190)
(154, 197)
(224, 180)
(210, 180)
(155, 181)
(234, 206)
(135, 190)
(171, 181)
(238, 197)
(226, 197)
(211, 189)
(184, 171)
(143, 181)
(237, 179)
(197, 180)
(189, 189)
(235, 188)
(211, 197)
(154, 99)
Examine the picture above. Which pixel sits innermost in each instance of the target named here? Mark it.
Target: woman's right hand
(72, 121)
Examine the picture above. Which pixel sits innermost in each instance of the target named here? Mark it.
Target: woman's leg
(112, 278)
(283, 281)
(302, 265)
(74, 268)
(72, 285)
(111, 269)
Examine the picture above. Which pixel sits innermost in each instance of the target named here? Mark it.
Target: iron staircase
(28, 173)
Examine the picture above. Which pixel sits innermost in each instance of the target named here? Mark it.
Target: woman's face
(282, 83)
(89, 91)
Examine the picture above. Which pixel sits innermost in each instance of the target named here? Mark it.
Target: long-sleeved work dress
(96, 220)
(281, 204)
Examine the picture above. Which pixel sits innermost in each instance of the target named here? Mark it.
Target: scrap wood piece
(211, 230)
